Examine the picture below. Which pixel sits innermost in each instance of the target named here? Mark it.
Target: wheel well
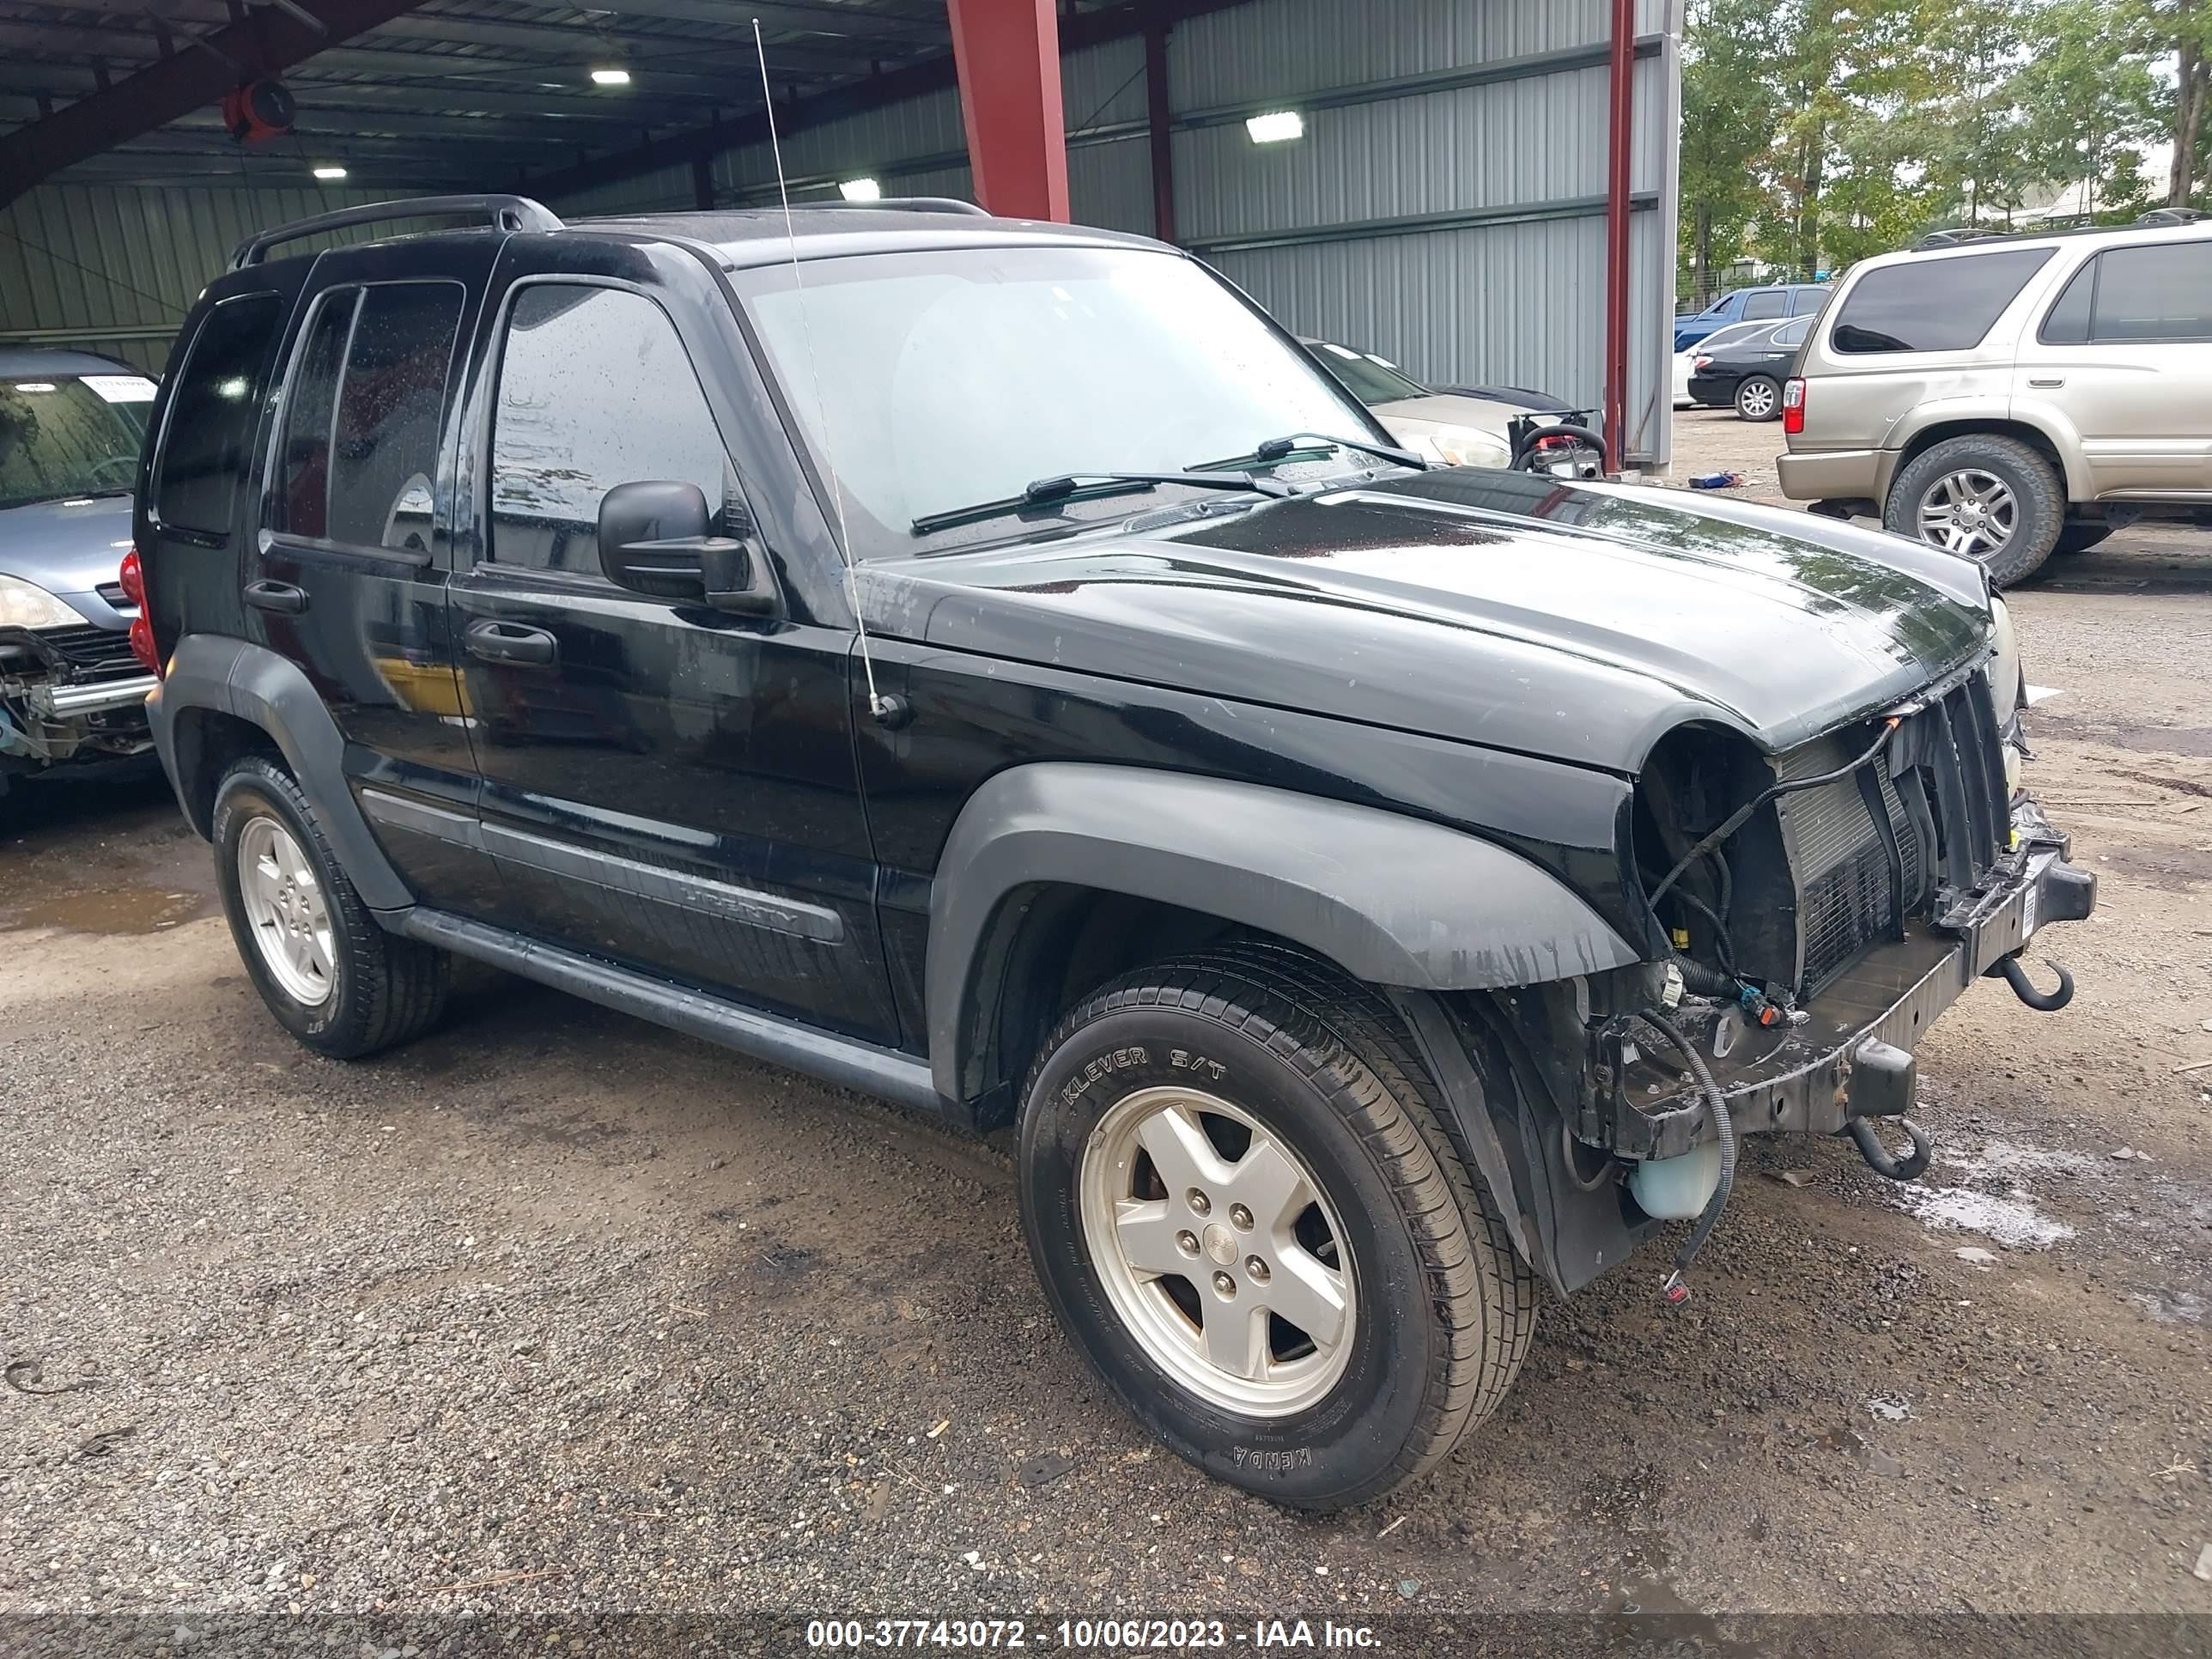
(2034, 437)
(207, 742)
(1048, 946)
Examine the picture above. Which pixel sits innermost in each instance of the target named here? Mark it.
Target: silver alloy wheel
(1971, 512)
(286, 911)
(1235, 1276)
(1755, 401)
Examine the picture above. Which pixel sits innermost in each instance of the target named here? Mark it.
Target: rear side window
(1791, 334)
(1768, 302)
(595, 390)
(2162, 292)
(359, 447)
(209, 428)
(1808, 301)
(1911, 307)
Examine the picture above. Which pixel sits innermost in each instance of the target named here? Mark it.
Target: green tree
(1729, 55)
(2086, 93)
(2183, 29)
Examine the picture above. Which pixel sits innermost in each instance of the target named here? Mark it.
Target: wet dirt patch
(112, 910)
(2195, 741)
(2013, 1222)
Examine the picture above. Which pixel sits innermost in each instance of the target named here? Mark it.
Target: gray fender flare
(1392, 900)
(252, 683)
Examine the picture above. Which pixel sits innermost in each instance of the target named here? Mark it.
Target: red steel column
(1159, 121)
(1616, 234)
(1007, 52)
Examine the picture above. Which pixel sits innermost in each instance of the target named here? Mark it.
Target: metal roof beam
(1077, 30)
(849, 21)
(570, 40)
(269, 42)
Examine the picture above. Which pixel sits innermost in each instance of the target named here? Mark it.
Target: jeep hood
(1576, 622)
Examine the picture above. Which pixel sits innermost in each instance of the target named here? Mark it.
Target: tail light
(133, 579)
(1700, 362)
(1793, 405)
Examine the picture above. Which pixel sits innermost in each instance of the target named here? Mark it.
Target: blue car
(72, 695)
(1750, 305)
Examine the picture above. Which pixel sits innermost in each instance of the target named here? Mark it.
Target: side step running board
(845, 1061)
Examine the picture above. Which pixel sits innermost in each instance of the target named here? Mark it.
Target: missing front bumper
(1851, 1059)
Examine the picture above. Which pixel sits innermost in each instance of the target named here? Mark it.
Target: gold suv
(2007, 398)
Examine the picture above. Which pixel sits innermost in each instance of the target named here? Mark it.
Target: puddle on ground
(1864, 1453)
(110, 910)
(2013, 1222)
(2169, 1306)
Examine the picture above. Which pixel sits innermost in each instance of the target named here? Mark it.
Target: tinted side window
(359, 447)
(1791, 334)
(210, 429)
(1912, 308)
(1808, 301)
(383, 451)
(1768, 302)
(303, 458)
(595, 390)
(2159, 292)
(2067, 323)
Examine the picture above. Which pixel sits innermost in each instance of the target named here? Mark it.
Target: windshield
(66, 435)
(1372, 380)
(954, 376)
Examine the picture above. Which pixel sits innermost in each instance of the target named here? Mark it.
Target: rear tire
(332, 977)
(1758, 399)
(1984, 497)
(1282, 1064)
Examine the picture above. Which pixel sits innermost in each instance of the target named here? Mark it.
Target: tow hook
(1879, 1158)
(2049, 1002)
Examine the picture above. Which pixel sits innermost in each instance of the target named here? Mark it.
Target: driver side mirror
(653, 539)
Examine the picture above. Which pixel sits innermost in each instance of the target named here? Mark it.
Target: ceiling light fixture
(332, 173)
(1277, 126)
(861, 189)
(611, 77)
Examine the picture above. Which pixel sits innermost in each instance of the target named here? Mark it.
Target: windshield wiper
(1088, 486)
(1281, 449)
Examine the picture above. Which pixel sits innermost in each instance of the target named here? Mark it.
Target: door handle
(280, 597)
(2047, 385)
(514, 642)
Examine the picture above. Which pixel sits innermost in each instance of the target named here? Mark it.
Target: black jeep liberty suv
(988, 666)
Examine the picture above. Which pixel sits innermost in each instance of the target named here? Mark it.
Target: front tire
(1988, 498)
(1758, 399)
(1238, 1194)
(331, 977)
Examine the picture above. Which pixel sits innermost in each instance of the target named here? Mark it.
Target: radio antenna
(879, 706)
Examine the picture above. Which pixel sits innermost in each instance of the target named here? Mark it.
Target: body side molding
(845, 1061)
(1391, 900)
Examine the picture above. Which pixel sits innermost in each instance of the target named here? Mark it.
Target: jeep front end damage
(1823, 907)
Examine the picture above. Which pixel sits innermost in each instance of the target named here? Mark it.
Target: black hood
(1578, 622)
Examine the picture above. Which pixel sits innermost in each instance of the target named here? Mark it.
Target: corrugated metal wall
(1484, 122)
(114, 269)
(1392, 132)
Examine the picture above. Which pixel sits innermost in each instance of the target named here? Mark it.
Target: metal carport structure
(1483, 191)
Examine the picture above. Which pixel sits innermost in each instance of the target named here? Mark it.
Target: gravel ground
(556, 1311)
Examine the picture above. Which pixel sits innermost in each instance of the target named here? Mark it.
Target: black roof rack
(501, 212)
(909, 203)
(2161, 218)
